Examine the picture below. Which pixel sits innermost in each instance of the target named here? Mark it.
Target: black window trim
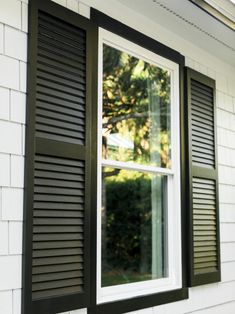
(137, 303)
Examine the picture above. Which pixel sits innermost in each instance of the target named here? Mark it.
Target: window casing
(173, 278)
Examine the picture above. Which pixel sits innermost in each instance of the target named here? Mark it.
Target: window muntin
(116, 155)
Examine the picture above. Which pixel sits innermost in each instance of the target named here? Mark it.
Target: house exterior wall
(213, 298)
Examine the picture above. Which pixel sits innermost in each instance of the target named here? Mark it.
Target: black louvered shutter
(57, 198)
(204, 252)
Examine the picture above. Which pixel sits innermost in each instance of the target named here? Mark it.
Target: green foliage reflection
(126, 223)
(128, 200)
(136, 128)
(136, 108)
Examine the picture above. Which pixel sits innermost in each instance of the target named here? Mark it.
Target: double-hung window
(139, 225)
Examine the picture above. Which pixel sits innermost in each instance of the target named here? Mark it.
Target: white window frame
(174, 279)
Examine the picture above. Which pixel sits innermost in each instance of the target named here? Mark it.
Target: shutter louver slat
(204, 224)
(52, 50)
(57, 236)
(206, 192)
(59, 26)
(48, 54)
(69, 111)
(201, 94)
(61, 81)
(58, 276)
(60, 291)
(57, 244)
(57, 268)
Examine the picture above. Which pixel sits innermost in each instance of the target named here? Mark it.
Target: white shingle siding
(18, 107)
(23, 76)
(12, 203)
(72, 5)
(1, 38)
(209, 299)
(6, 302)
(24, 16)
(84, 10)
(4, 237)
(15, 43)
(13, 57)
(17, 166)
(10, 13)
(16, 301)
(4, 170)
(10, 272)
(15, 237)
(61, 2)
(11, 142)
(9, 72)
(5, 103)
(227, 252)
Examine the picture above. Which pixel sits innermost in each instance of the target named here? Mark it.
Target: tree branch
(114, 120)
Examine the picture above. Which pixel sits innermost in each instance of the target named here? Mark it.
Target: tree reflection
(136, 107)
(136, 128)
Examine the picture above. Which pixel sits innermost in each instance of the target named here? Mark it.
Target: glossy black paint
(200, 172)
(114, 26)
(60, 149)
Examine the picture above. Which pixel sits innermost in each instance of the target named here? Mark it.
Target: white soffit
(226, 7)
(190, 22)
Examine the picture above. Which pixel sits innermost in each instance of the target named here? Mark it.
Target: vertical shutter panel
(60, 80)
(204, 253)
(58, 180)
(56, 232)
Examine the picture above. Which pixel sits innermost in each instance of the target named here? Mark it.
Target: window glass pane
(134, 223)
(136, 110)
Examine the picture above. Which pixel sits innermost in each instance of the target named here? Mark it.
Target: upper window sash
(119, 43)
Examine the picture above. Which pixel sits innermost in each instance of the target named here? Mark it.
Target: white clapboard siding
(226, 174)
(226, 156)
(228, 271)
(227, 212)
(200, 297)
(226, 138)
(224, 101)
(226, 308)
(227, 193)
(227, 252)
(227, 232)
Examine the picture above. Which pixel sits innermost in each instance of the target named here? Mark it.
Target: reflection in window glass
(134, 223)
(136, 110)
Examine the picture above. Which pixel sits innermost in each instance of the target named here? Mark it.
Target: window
(139, 226)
